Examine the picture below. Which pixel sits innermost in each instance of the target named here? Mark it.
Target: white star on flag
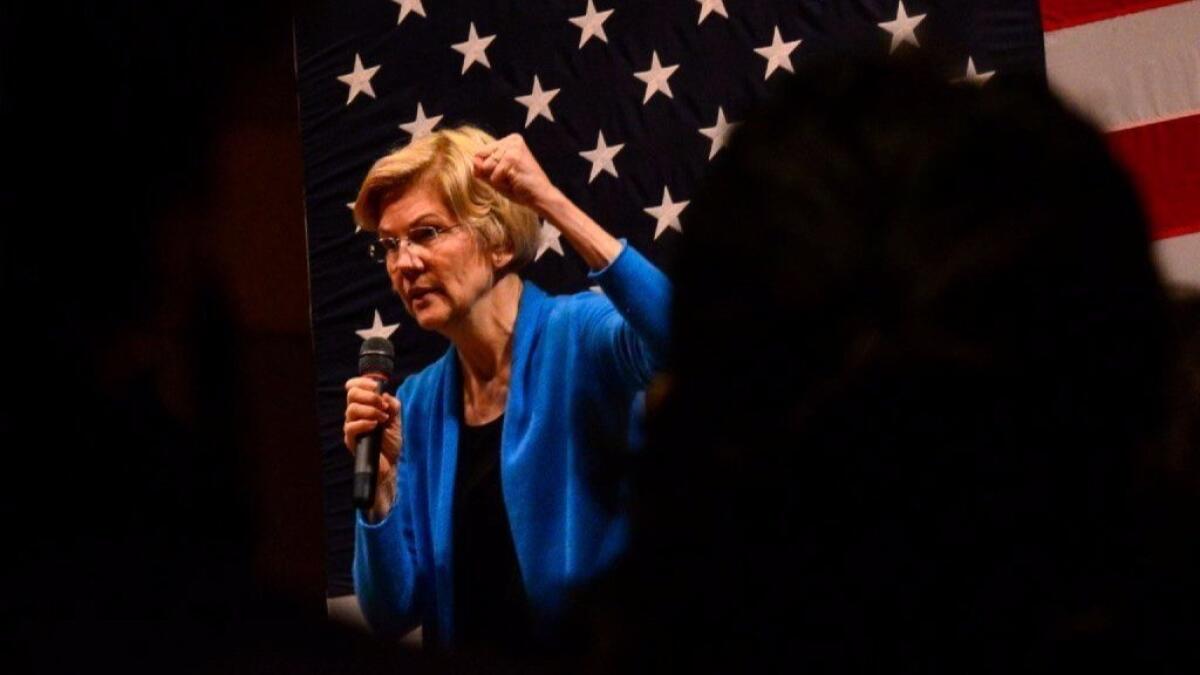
(473, 49)
(422, 125)
(591, 24)
(667, 214)
(719, 134)
(377, 329)
(709, 6)
(602, 157)
(359, 79)
(903, 28)
(974, 77)
(408, 6)
(656, 78)
(778, 54)
(538, 102)
(548, 239)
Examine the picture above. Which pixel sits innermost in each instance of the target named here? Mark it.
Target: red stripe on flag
(1163, 160)
(1058, 14)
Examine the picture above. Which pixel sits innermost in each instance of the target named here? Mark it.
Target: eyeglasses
(422, 237)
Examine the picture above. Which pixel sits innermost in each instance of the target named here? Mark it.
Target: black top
(490, 606)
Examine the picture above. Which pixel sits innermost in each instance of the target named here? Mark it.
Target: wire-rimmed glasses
(422, 237)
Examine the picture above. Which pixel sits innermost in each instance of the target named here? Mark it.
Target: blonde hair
(444, 160)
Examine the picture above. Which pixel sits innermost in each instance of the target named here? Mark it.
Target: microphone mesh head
(376, 356)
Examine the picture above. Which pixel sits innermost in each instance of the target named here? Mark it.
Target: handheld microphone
(376, 360)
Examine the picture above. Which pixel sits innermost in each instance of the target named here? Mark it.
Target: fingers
(492, 169)
(393, 404)
(363, 390)
(487, 150)
(363, 403)
(366, 408)
(509, 167)
(490, 155)
(351, 431)
(493, 159)
(360, 411)
(494, 155)
(362, 419)
(503, 173)
(362, 383)
(503, 145)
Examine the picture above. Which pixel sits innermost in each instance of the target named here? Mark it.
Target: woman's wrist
(551, 205)
(385, 496)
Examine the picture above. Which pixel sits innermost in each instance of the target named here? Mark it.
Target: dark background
(157, 423)
(158, 415)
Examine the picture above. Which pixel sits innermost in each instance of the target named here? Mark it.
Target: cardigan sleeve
(637, 334)
(385, 566)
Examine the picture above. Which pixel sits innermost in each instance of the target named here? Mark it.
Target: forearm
(385, 496)
(641, 294)
(597, 247)
(385, 570)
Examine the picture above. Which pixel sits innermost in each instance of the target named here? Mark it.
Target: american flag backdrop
(626, 102)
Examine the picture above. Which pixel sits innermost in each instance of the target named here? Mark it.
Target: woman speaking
(489, 508)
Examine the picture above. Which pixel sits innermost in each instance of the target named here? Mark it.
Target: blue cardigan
(577, 363)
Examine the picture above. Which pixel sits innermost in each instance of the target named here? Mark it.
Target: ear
(501, 258)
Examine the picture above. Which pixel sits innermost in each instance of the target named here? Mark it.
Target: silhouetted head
(920, 349)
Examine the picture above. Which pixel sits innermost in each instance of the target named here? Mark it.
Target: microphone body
(375, 360)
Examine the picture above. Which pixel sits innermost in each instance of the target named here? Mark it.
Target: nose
(408, 263)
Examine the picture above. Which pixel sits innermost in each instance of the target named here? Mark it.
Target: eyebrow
(425, 216)
(418, 220)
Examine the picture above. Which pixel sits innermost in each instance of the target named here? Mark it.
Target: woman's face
(439, 282)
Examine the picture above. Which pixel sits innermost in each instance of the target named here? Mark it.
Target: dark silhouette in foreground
(917, 416)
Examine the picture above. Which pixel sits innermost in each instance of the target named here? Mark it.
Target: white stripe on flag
(1131, 70)
(1179, 260)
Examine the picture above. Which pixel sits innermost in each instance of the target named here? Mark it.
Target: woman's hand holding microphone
(366, 409)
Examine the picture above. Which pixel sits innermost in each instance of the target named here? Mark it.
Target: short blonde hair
(444, 160)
